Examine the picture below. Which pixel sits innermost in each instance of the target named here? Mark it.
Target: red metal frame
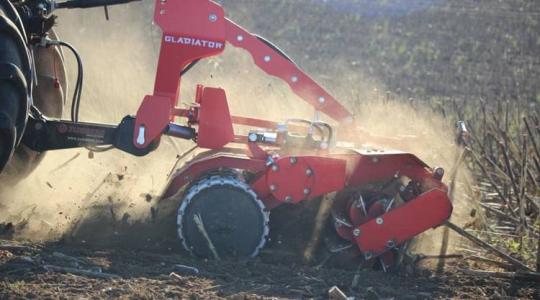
(195, 29)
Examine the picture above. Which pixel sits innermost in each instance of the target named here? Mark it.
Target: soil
(140, 257)
(145, 275)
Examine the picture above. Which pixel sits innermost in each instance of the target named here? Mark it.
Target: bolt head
(293, 160)
(240, 38)
(390, 244)
(307, 191)
(356, 232)
(379, 221)
(368, 255)
(252, 137)
(275, 168)
(321, 99)
(267, 58)
(438, 173)
(375, 159)
(273, 187)
(212, 17)
(288, 199)
(309, 172)
(294, 78)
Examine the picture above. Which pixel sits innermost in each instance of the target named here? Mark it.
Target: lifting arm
(274, 62)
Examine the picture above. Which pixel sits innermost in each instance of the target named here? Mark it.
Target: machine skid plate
(426, 211)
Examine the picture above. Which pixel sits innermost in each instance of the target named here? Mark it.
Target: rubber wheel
(12, 114)
(233, 218)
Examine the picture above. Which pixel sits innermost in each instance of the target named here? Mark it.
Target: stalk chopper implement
(378, 200)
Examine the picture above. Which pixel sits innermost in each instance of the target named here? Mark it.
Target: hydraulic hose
(90, 3)
(76, 101)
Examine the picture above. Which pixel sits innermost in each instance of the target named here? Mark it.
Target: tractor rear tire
(15, 74)
(16, 160)
(49, 97)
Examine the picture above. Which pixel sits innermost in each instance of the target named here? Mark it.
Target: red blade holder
(381, 234)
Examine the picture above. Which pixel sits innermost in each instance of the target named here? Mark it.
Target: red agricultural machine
(379, 200)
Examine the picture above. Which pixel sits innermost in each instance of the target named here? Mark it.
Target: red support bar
(275, 64)
(192, 29)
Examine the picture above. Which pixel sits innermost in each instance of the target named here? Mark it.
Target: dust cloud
(119, 59)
